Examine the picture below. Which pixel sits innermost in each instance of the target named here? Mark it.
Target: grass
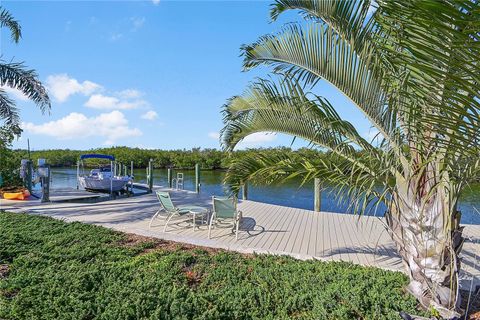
(50, 269)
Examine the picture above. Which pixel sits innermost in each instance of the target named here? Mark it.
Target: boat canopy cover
(97, 156)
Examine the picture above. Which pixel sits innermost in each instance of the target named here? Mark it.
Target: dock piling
(245, 191)
(45, 179)
(28, 182)
(112, 170)
(169, 177)
(78, 172)
(150, 176)
(317, 195)
(197, 178)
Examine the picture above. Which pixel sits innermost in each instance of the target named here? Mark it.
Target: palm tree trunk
(429, 240)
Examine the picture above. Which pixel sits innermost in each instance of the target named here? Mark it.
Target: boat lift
(116, 169)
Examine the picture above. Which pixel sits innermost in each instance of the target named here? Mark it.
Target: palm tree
(17, 76)
(412, 68)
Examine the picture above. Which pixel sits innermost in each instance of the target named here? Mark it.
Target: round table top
(194, 209)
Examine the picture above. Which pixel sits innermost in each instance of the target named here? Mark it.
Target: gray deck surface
(265, 228)
(72, 195)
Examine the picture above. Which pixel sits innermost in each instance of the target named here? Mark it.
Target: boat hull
(102, 185)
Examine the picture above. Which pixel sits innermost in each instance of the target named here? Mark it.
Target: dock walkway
(265, 228)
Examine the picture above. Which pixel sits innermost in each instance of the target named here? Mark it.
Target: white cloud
(61, 86)
(111, 126)
(156, 2)
(214, 135)
(131, 104)
(259, 137)
(116, 36)
(17, 94)
(100, 101)
(250, 141)
(129, 94)
(137, 22)
(150, 115)
(255, 140)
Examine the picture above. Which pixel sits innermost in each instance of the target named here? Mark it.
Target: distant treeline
(181, 159)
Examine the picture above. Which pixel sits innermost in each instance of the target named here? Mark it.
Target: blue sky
(149, 74)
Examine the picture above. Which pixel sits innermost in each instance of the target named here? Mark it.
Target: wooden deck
(265, 228)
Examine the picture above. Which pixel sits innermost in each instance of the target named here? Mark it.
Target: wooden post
(197, 178)
(29, 176)
(169, 177)
(150, 176)
(46, 184)
(78, 171)
(147, 174)
(245, 191)
(131, 168)
(317, 195)
(112, 169)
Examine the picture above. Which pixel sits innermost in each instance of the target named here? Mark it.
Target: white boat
(101, 179)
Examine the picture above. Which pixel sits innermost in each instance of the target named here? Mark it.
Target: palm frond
(347, 18)
(284, 107)
(430, 50)
(15, 75)
(360, 188)
(8, 111)
(317, 52)
(7, 20)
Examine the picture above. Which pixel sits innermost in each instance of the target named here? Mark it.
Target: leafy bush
(9, 160)
(61, 270)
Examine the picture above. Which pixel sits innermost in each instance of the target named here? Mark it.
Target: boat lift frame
(96, 156)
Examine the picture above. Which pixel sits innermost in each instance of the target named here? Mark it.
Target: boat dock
(265, 228)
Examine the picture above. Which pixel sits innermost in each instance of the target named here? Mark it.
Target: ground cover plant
(50, 269)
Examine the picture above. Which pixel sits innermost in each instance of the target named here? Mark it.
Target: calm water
(288, 194)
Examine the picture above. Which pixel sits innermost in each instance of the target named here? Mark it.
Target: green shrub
(180, 159)
(9, 160)
(61, 270)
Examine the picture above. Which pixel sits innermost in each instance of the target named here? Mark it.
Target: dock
(64, 195)
(265, 229)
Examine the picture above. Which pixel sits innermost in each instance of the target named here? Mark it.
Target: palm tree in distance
(17, 76)
(412, 68)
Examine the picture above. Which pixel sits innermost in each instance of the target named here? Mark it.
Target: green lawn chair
(170, 209)
(225, 212)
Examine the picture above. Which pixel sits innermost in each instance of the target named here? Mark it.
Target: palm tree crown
(17, 76)
(412, 68)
